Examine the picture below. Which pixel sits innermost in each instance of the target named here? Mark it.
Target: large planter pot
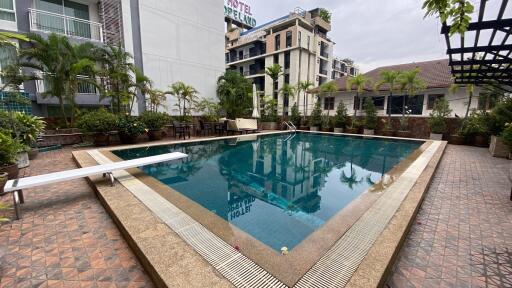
(403, 134)
(326, 129)
(154, 135)
(368, 131)
(101, 139)
(268, 125)
(436, 136)
(388, 133)
(128, 139)
(22, 160)
(498, 148)
(313, 128)
(481, 141)
(12, 170)
(338, 130)
(4, 176)
(32, 154)
(456, 140)
(351, 130)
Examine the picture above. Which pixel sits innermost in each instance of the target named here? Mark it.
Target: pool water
(278, 188)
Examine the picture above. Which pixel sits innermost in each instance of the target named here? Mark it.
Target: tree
(143, 85)
(156, 99)
(189, 95)
(304, 86)
(470, 90)
(274, 72)
(410, 84)
(177, 91)
(340, 119)
(235, 94)
(325, 15)
(287, 91)
(6, 38)
(456, 12)
(360, 82)
(389, 78)
(329, 88)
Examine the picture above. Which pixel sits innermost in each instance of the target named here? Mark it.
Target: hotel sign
(240, 12)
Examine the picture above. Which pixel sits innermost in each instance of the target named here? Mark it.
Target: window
(378, 101)
(287, 60)
(287, 78)
(309, 40)
(288, 39)
(241, 69)
(432, 99)
(240, 55)
(7, 10)
(52, 23)
(277, 43)
(276, 59)
(357, 102)
(413, 103)
(300, 39)
(7, 57)
(328, 103)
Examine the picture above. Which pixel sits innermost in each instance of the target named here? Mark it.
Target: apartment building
(166, 38)
(298, 42)
(343, 67)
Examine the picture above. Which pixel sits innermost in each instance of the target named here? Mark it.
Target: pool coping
(218, 138)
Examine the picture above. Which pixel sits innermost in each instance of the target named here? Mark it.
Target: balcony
(70, 26)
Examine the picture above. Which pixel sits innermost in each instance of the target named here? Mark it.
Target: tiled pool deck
(462, 235)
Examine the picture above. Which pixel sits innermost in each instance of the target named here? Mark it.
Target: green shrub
(130, 126)
(340, 119)
(370, 117)
(501, 115)
(9, 147)
(29, 128)
(475, 124)
(506, 135)
(269, 110)
(315, 120)
(326, 122)
(154, 120)
(437, 120)
(100, 121)
(295, 115)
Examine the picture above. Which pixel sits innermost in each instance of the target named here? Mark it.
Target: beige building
(298, 42)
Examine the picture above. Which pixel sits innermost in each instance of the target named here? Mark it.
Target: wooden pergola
(484, 60)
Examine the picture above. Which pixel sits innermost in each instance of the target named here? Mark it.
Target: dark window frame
(288, 37)
(431, 99)
(277, 42)
(329, 103)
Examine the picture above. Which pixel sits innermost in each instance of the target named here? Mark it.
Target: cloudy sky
(371, 32)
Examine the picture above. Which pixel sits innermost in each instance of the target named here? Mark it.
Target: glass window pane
(6, 4)
(8, 16)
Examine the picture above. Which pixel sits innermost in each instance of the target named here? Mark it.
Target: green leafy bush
(340, 119)
(316, 116)
(475, 124)
(30, 127)
(437, 120)
(100, 121)
(130, 126)
(269, 110)
(295, 115)
(506, 135)
(154, 120)
(501, 114)
(326, 122)
(370, 111)
(9, 147)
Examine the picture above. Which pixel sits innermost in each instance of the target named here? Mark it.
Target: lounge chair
(243, 125)
(16, 186)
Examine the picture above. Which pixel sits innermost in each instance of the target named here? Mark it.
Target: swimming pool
(277, 188)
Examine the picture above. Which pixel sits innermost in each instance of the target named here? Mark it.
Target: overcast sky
(371, 32)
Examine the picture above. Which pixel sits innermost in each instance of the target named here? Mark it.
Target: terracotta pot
(32, 154)
(128, 139)
(326, 129)
(481, 141)
(338, 130)
(436, 136)
(403, 134)
(388, 133)
(351, 130)
(368, 131)
(101, 139)
(22, 160)
(456, 140)
(4, 176)
(313, 128)
(12, 170)
(268, 125)
(498, 148)
(154, 135)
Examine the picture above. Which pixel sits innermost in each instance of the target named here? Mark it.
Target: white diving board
(16, 186)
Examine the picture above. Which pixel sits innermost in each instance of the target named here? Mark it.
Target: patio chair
(181, 130)
(221, 128)
(205, 128)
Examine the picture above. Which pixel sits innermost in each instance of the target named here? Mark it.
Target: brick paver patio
(66, 238)
(462, 236)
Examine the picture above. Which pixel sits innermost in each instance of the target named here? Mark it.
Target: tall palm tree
(156, 99)
(359, 82)
(287, 91)
(190, 97)
(470, 90)
(329, 88)
(274, 72)
(176, 90)
(143, 85)
(6, 38)
(234, 93)
(389, 78)
(304, 86)
(410, 83)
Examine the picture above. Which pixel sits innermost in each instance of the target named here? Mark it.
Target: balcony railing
(51, 22)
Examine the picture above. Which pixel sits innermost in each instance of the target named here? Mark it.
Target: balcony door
(70, 25)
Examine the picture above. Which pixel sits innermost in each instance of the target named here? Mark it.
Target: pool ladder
(290, 125)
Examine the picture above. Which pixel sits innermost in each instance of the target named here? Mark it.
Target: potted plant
(354, 126)
(475, 128)
(340, 119)
(387, 128)
(9, 148)
(437, 120)
(404, 124)
(99, 123)
(370, 117)
(129, 128)
(315, 120)
(269, 115)
(154, 122)
(326, 123)
(506, 136)
(295, 116)
(29, 127)
(456, 137)
(499, 119)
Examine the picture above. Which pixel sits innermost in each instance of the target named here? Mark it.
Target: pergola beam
(483, 25)
(488, 49)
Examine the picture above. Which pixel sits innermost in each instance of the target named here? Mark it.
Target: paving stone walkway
(462, 236)
(66, 238)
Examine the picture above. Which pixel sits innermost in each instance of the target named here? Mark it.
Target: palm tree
(156, 99)
(234, 93)
(177, 91)
(328, 87)
(470, 90)
(6, 38)
(389, 78)
(304, 86)
(274, 72)
(360, 82)
(410, 83)
(189, 95)
(287, 91)
(352, 179)
(143, 85)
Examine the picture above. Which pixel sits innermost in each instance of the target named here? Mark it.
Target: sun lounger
(243, 125)
(16, 186)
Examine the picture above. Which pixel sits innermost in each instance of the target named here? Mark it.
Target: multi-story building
(298, 42)
(166, 38)
(343, 67)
